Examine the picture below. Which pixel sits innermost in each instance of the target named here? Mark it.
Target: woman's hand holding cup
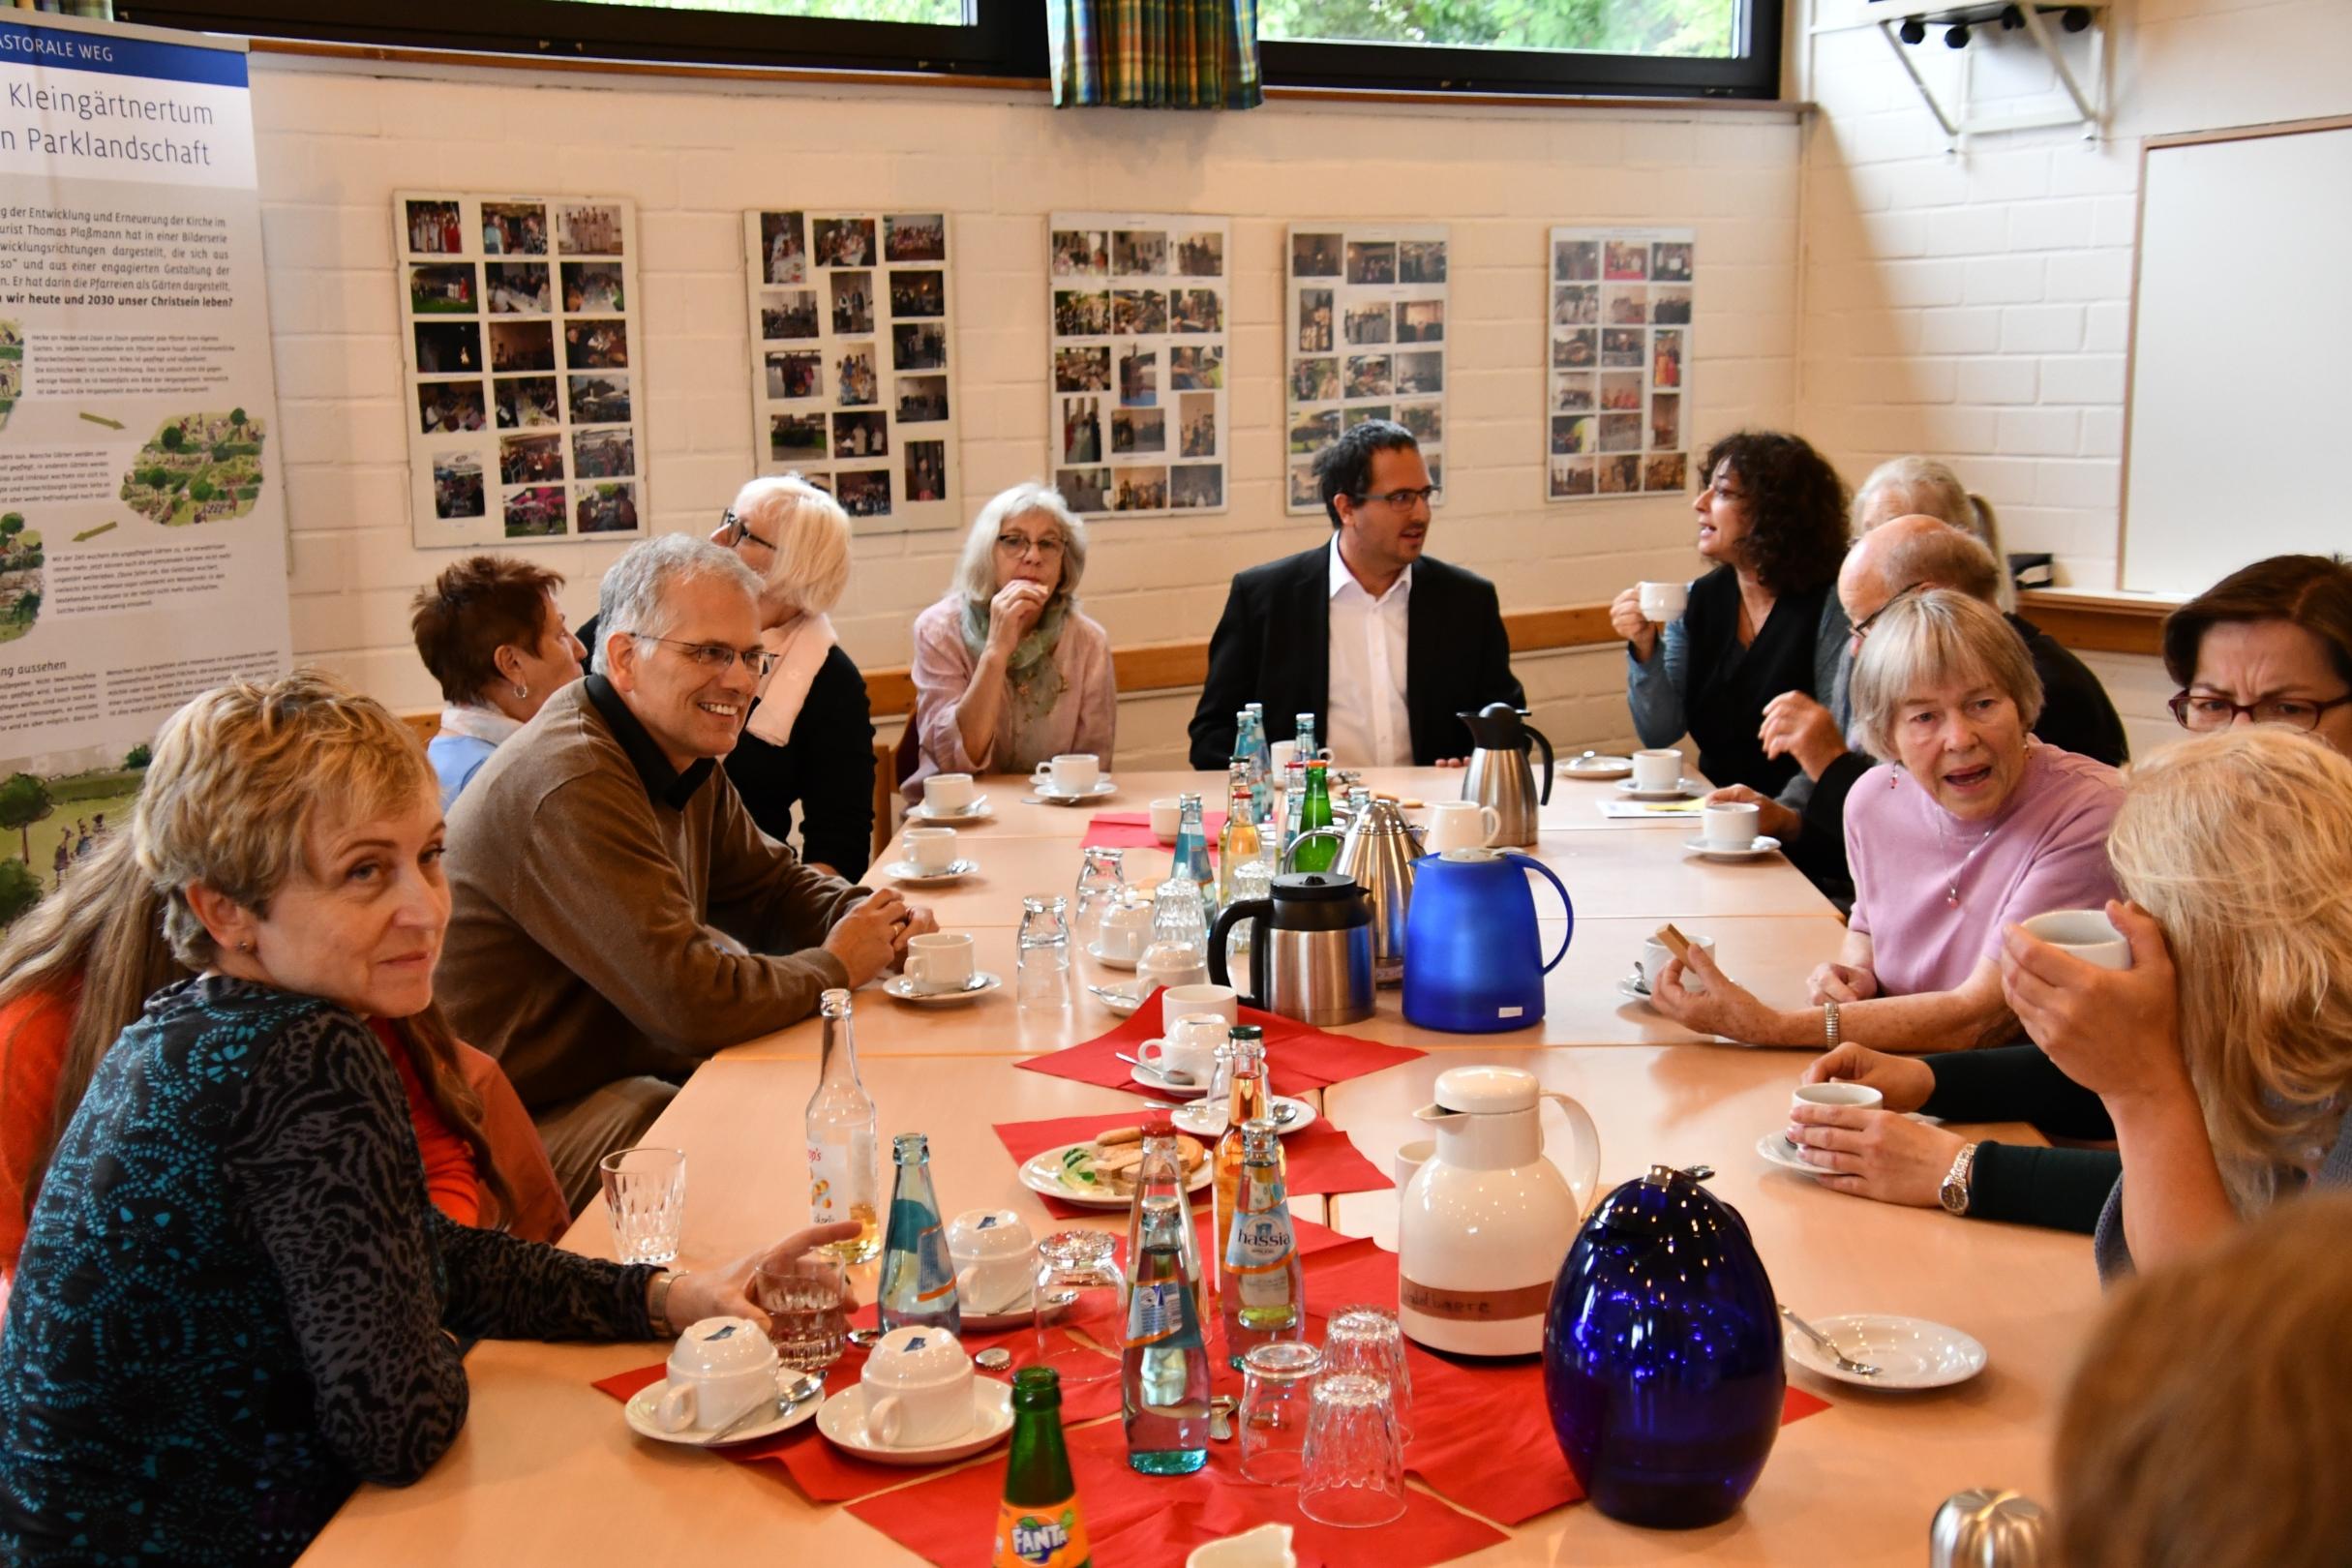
(2113, 1031)
(1903, 1082)
(1626, 619)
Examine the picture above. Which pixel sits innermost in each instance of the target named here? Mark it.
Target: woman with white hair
(1973, 827)
(1915, 486)
(1007, 672)
(809, 740)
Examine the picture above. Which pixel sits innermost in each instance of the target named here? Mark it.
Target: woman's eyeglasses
(1862, 627)
(735, 530)
(1047, 548)
(2206, 711)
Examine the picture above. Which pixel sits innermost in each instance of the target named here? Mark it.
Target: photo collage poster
(1618, 410)
(1364, 325)
(851, 386)
(1141, 310)
(518, 328)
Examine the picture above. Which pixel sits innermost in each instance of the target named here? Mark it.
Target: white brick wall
(1976, 306)
(336, 141)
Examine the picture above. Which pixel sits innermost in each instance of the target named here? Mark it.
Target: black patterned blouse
(233, 1300)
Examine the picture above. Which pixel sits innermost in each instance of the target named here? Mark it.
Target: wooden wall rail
(2098, 622)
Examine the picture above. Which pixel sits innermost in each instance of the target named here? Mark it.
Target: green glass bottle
(1321, 855)
(1038, 1524)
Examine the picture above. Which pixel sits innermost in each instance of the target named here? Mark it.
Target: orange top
(33, 1029)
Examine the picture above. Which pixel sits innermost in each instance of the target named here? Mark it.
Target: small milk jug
(1487, 1218)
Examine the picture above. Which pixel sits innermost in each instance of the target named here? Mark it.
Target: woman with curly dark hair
(1765, 621)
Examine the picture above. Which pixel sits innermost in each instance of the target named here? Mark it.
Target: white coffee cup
(995, 1261)
(1728, 824)
(1167, 815)
(1656, 956)
(948, 794)
(940, 961)
(1664, 601)
(1410, 1157)
(917, 1387)
(1279, 755)
(1191, 1001)
(1125, 929)
(1459, 824)
(2085, 933)
(932, 849)
(1659, 770)
(1854, 1095)
(1190, 1050)
(1266, 1546)
(720, 1368)
(1073, 772)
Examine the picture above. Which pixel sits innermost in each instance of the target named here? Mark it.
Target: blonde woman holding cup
(1009, 672)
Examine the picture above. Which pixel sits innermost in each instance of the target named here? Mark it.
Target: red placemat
(1133, 829)
(1316, 1160)
(1467, 1409)
(1156, 1521)
(1302, 1057)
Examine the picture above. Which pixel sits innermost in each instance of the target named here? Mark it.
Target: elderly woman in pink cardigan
(1007, 672)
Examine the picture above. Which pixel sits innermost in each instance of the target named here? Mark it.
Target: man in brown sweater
(593, 853)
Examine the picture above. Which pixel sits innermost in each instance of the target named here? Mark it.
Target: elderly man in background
(1908, 556)
(593, 853)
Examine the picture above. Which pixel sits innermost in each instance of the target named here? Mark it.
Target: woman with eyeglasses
(1007, 672)
(809, 738)
(1772, 517)
(2270, 643)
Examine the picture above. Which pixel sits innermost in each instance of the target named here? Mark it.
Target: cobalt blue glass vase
(1662, 1356)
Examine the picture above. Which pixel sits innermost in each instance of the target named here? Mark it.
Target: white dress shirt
(1366, 723)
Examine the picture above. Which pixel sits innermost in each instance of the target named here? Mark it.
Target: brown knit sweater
(584, 873)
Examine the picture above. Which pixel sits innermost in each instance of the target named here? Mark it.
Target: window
(1698, 47)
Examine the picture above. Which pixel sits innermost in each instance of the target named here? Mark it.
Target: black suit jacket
(1273, 645)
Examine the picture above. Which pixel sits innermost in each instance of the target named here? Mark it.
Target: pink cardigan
(1085, 719)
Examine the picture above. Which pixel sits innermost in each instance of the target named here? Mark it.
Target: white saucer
(977, 811)
(1598, 769)
(902, 989)
(1123, 1007)
(1778, 1149)
(1144, 1077)
(1633, 990)
(1041, 1172)
(1684, 791)
(914, 876)
(842, 1420)
(1756, 850)
(1126, 966)
(1103, 788)
(1206, 1120)
(1910, 1352)
(639, 1412)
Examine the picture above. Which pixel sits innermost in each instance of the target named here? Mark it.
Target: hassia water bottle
(843, 1181)
(1264, 1290)
(1163, 1365)
(917, 1276)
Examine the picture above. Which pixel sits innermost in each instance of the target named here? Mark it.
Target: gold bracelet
(657, 1306)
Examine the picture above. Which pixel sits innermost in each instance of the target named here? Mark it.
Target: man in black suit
(1384, 644)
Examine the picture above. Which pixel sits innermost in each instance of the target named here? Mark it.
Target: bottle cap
(1158, 1127)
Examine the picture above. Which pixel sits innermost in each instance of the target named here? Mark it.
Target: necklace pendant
(1952, 898)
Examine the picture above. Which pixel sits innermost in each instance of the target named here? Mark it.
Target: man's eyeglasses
(1402, 499)
(735, 531)
(717, 658)
(2206, 711)
(1862, 627)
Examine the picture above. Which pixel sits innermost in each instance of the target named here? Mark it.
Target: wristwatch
(1953, 1194)
(657, 1306)
(1830, 1025)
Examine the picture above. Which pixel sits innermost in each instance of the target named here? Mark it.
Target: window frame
(1005, 37)
(1005, 40)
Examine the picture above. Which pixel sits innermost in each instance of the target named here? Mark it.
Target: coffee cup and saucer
(1125, 932)
(1189, 1048)
(1657, 776)
(996, 1267)
(939, 972)
(950, 797)
(917, 1402)
(930, 858)
(1071, 778)
(722, 1375)
(1775, 1146)
(1726, 832)
(1637, 985)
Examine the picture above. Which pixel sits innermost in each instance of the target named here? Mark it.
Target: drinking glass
(808, 1303)
(1079, 1286)
(1352, 1470)
(1277, 1388)
(1177, 918)
(644, 1196)
(1368, 1340)
(1101, 882)
(1043, 974)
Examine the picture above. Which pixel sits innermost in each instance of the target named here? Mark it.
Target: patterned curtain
(1155, 54)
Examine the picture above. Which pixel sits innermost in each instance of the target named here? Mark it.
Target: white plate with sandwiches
(1099, 1174)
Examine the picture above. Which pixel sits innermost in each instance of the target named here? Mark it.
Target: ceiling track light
(1956, 35)
(1913, 30)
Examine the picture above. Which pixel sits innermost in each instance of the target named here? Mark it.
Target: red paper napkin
(1133, 829)
(1316, 1160)
(1466, 1410)
(1301, 1056)
(1156, 1521)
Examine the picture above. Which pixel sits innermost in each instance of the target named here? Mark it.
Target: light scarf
(479, 723)
(1035, 679)
(799, 646)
